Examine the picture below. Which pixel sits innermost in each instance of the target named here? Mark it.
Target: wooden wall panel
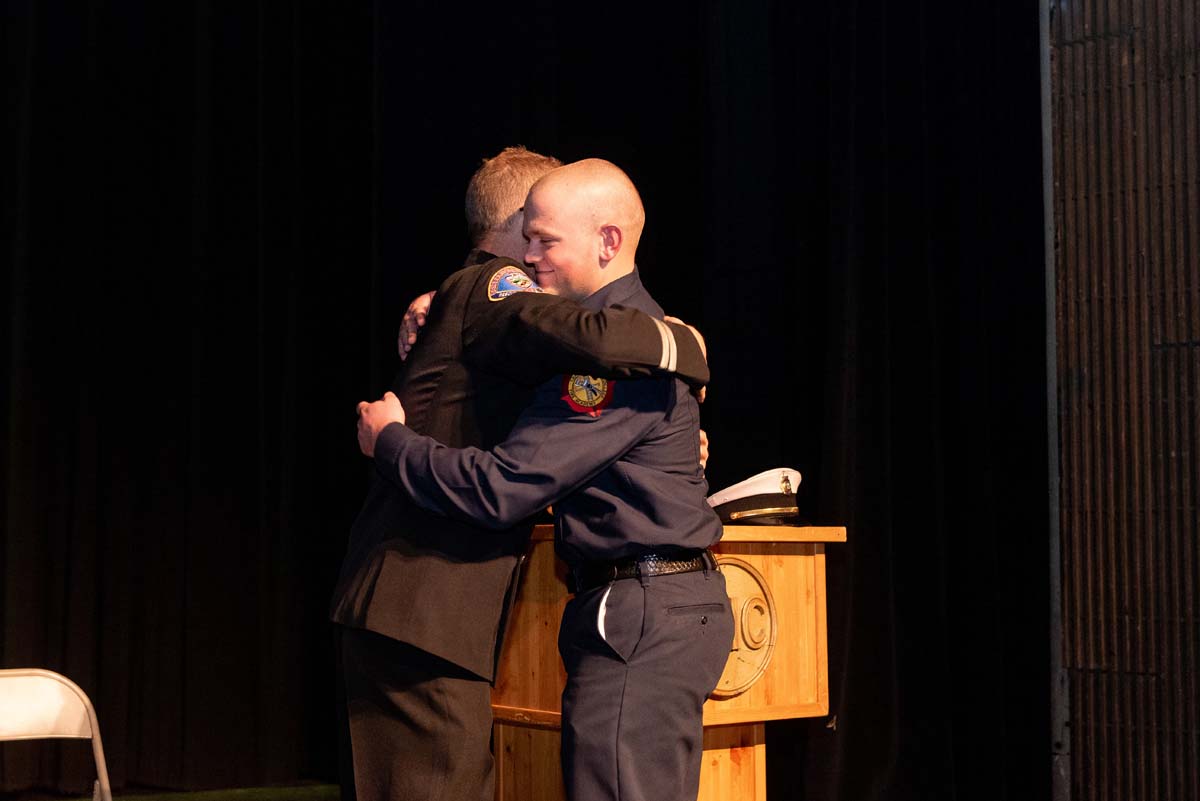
(1126, 111)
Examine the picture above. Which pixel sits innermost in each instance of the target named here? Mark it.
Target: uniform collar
(478, 256)
(614, 293)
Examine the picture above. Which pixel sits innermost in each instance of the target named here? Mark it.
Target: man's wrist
(390, 442)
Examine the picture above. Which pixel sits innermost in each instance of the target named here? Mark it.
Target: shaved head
(598, 189)
(583, 222)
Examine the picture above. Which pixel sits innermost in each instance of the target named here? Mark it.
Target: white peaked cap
(768, 498)
(778, 480)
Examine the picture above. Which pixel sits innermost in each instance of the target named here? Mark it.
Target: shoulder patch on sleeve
(508, 280)
(587, 394)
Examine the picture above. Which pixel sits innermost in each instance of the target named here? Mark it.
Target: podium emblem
(754, 627)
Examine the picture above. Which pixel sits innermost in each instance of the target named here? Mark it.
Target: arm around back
(528, 336)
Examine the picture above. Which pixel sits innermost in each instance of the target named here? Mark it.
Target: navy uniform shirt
(619, 461)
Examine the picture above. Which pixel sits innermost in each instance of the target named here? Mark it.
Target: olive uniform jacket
(490, 338)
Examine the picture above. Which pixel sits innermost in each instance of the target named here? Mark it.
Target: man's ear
(611, 239)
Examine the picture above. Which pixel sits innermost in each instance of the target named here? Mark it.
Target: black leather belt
(590, 575)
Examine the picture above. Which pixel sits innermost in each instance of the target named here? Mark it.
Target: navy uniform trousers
(634, 692)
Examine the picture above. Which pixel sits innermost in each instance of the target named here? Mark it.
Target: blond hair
(498, 188)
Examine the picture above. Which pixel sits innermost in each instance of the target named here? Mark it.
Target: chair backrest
(36, 704)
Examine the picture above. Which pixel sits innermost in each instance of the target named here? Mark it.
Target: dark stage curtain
(216, 216)
(188, 271)
(930, 366)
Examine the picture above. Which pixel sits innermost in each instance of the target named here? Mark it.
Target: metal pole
(1060, 713)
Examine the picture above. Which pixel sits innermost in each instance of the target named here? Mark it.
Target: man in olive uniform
(421, 599)
(648, 632)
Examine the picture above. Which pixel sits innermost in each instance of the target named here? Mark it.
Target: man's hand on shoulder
(411, 325)
(374, 417)
(702, 392)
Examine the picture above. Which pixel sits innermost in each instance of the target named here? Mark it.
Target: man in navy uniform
(421, 599)
(648, 632)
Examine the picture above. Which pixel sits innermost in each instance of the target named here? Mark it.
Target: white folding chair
(37, 704)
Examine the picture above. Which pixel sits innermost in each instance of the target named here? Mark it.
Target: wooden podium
(778, 667)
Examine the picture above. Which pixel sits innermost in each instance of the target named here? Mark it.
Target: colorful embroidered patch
(508, 280)
(586, 394)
